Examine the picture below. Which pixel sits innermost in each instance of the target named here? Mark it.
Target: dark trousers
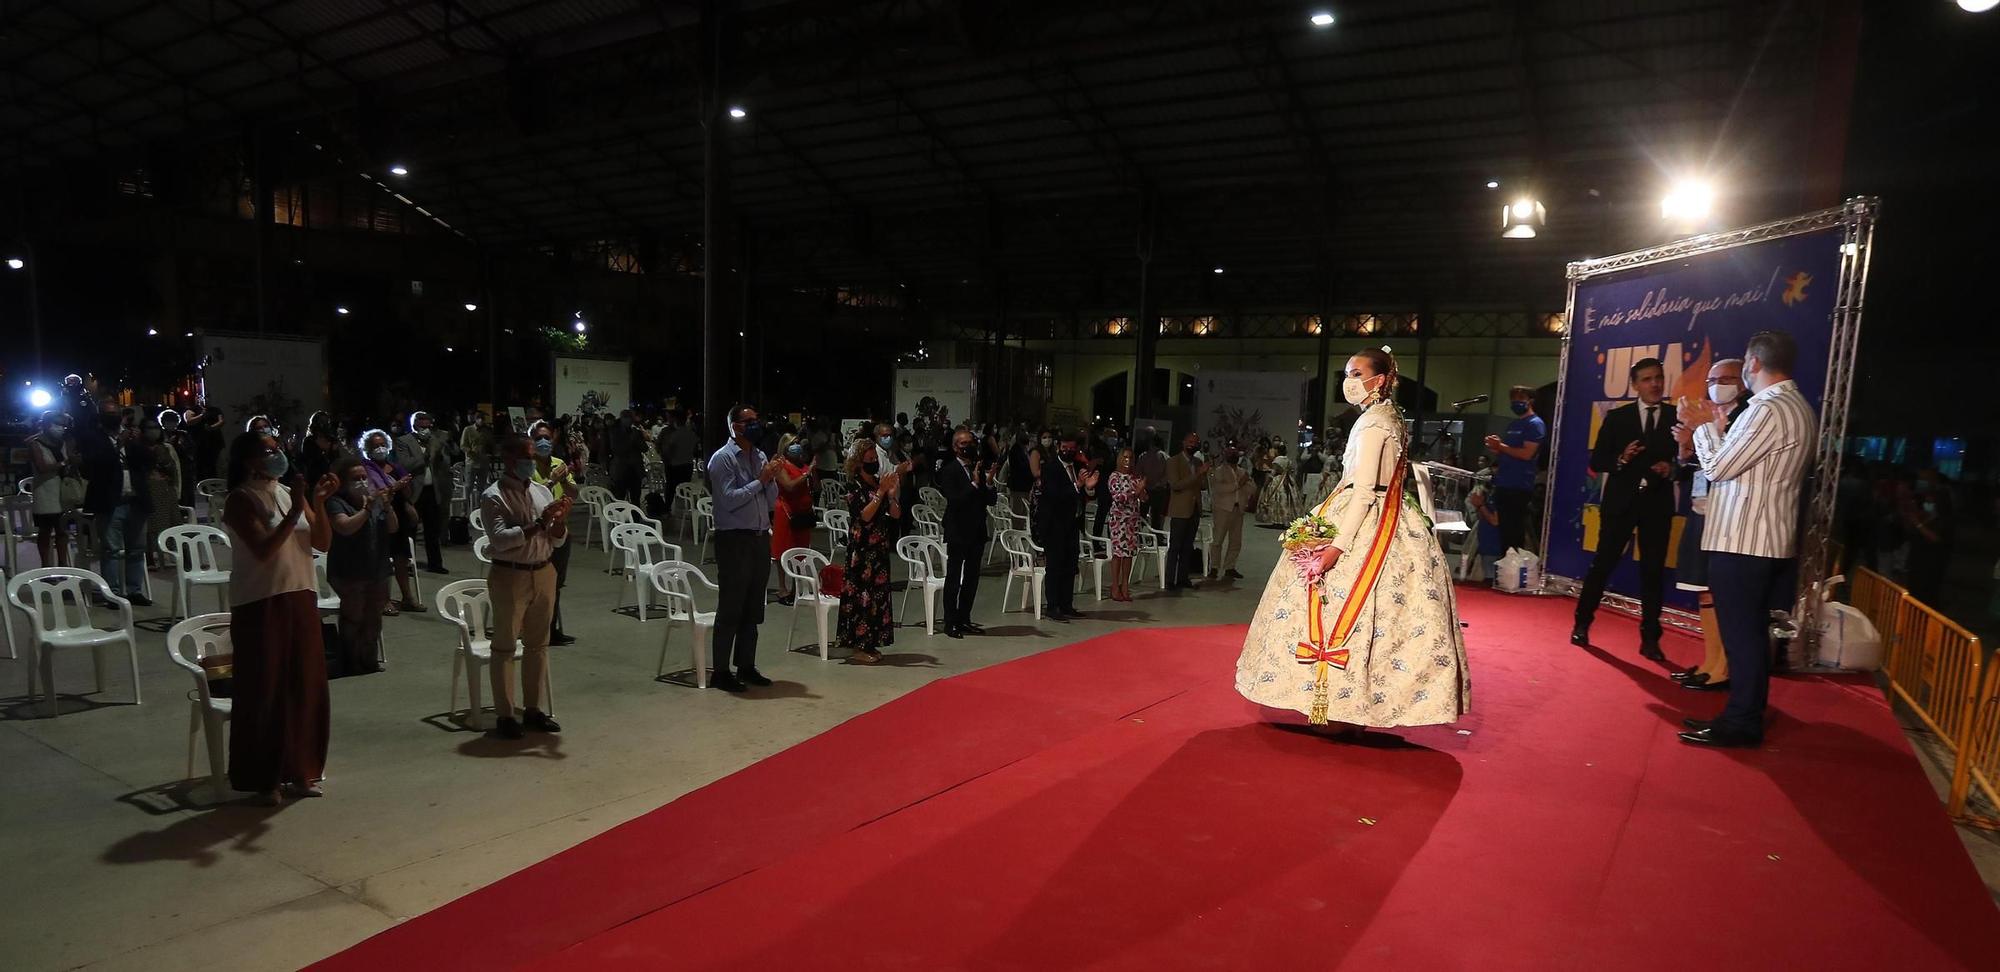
(677, 473)
(1614, 533)
(961, 581)
(1059, 548)
(1180, 550)
(1744, 587)
(1513, 510)
(1156, 506)
(627, 483)
(560, 560)
(742, 571)
(431, 512)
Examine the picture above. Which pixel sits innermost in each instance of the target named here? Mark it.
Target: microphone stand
(1457, 412)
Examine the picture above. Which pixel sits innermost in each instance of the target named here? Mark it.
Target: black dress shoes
(1652, 653)
(1696, 723)
(1580, 636)
(509, 728)
(1684, 674)
(561, 640)
(539, 721)
(754, 677)
(1706, 685)
(1232, 574)
(955, 632)
(972, 627)
(1721, 738)
(727, 683)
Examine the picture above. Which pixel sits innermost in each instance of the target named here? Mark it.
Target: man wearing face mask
(525, 524)
(1755, 469)
(116, 462)
(967, 484)
(1518, 449)
(744, 483)
(1065, 482)
(421, 454)
(1185, 475)
(1725, 389)
(1635, 453)
(1229, 496)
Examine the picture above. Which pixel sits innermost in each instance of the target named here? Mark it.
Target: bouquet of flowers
(1304, 540)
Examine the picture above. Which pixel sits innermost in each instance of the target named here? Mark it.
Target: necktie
(1649, 419)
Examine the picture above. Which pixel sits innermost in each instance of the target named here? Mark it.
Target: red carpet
(1115, 804)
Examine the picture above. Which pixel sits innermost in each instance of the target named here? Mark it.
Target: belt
(514, 566)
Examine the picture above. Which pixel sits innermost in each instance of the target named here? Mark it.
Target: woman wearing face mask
(1128, 494)
(278, 716)
(1725, 389)
(792, 519)
(164, 482)
(50, 454)
(377, 458)
(866, 625)
(1358, 627)
(357, 564)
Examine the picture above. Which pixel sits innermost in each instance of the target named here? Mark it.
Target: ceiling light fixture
(341, 310)
(1689, 201)
(1218, 269)
(471, 306)
(1977, 6)
(1492, 183)
(398, 170)
(1522, 219)
(1322, 19)
(737, 112)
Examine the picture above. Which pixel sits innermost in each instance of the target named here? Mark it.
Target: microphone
(1474, 400)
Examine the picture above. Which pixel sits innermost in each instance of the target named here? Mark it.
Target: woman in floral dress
(866, 625)
(1361, 630)
(1128, 494)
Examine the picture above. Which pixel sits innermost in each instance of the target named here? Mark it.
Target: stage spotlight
(1522, 219)
(398, 170)
(16, 263)
(40, 398)
(471, 306)
(341, 310)
(1977, 6)
(737, 112)
(1323, 18)
(1689, 201)
(447, 349)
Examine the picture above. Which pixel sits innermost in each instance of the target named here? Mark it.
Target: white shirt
(290, 567)
(1755, 474)
(508, 512)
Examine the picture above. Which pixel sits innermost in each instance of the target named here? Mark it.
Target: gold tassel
(1318, 715)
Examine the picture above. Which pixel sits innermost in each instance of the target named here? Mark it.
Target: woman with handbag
(48, 452)
(792, 521)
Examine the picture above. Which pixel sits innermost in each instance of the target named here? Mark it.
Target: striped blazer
(1755, 473)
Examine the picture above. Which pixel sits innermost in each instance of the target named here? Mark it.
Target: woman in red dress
(792, 520)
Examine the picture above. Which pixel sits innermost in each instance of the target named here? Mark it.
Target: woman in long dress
(1362, 631)
(866, 624)
(1279, 502)
(1128, 492)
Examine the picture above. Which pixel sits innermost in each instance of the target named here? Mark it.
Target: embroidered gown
(1279, 501)
(1402, 661)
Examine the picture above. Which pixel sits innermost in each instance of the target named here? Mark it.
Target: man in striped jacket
(1755, 467)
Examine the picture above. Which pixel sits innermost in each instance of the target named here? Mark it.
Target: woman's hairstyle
(361, 444)
(853, 464)
(254, 419)
(344, 465)
(1379, 361)
(244, 450)
(1122, 455)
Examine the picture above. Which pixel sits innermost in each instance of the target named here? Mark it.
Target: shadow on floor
(197, 838)
(21, 708)
(490, 745)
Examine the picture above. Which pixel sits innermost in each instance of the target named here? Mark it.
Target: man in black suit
(1635, 451)
(967, 485)
(1065, 482)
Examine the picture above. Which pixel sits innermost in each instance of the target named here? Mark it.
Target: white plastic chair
(931, 496)
(998, 521)
(614, 514)
(205, 638)
(464, 604)
(673, 581)
(1095, 552)
(1021, 565)
(924, 557)
(832, 495)
(196, 564)
(838, 523)
(212, 493)
(57, 603)
(639, 547)
(479, 550)
(704, 522)
(461, 503)
(329, 599)
(929, 520)
(685, 496)
(18, 526)
(802, 565)
(477, 521)
(1154, 543)
(594, 499)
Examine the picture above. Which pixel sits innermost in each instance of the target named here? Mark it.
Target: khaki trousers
(523, 601)
(1228, 540)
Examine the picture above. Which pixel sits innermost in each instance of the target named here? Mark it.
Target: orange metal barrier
(1934, 667)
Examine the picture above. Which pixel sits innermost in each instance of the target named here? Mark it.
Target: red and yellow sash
(1327, 648)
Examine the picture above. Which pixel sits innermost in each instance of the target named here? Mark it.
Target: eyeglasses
(1725, 381)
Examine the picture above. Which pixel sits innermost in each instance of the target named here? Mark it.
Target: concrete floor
(117, 862)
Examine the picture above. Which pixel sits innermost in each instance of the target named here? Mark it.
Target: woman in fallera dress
(1361, 630)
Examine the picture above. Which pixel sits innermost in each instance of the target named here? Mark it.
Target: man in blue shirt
(1514, 481)
(743, 482)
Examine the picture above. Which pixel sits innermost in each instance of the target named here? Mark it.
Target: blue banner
(1689, 313)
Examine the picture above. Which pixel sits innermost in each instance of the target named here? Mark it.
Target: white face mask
(1724, 394)
(1355, 390)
